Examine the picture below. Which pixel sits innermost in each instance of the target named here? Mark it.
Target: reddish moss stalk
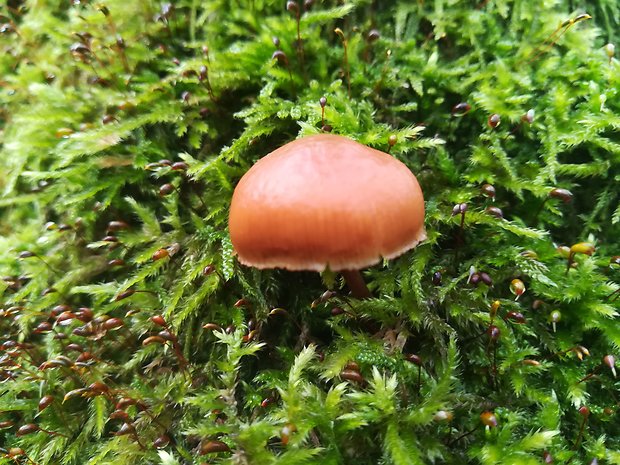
(356, 283)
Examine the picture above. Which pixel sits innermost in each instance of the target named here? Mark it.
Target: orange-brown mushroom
(326, 201)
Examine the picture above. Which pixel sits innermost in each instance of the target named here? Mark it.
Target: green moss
(83, 130)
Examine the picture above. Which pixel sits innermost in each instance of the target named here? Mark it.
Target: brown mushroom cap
(325, 201)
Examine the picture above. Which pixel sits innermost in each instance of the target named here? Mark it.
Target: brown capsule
(495, 211)
(415, 359)
(180, 166)
(488, 190)
(6, 424)
(161, 442)
(240, 303)
(250, 336)
(488, 419)
(159, 254)
(474, 279)
(208, 270)
(110, 239)
(79, 50)
(564, 195)
(326, 128)
(26, 254)
(65, 318)
(493, 332)
(461, 109)
(322, 102)
(584, 411)
(392, 140)
(159, 320)
(63, 360)
(308, 4)
(49, 364)
(74, 347)
(351, 365)
(280, 56)
(152, 166)
(125, 294)
(459, 209)
(125, 402)
(266, 402)
(530, 362)
(126, 428)
(101, 319)
(166, 189)
(494, 120)
(168, 336)
(119, 415)
(107, 119)
(84, 331)
(292, 6)
(547, 457)
(10, 344)
(113, 323)
(212, 447)
(486, 279)
(373, 36)
(352, 375)
(45, 402)
(337, 311)
(212, 327)
(516, 317)
(117, 225)
(27, 429)
(84, 314)
(165, 162)
(49, 290)
(43, 327)
(436, 279)
(153, 340)
(610, 361)
(59, 309)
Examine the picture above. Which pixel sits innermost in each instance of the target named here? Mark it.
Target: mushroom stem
(356, 283)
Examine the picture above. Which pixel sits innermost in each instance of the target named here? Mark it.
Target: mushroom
(325, 201)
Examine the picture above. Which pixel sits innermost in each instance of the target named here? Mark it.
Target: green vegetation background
(93, 96)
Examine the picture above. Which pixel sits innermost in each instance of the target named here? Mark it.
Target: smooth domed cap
(325, 201)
